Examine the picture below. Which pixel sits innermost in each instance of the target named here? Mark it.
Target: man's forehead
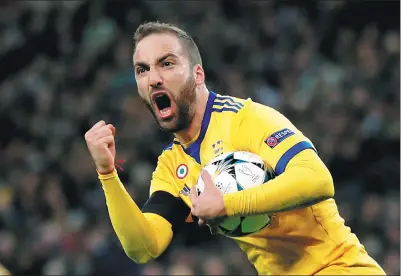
(157, 45)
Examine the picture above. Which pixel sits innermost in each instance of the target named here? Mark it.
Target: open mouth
(163, 104)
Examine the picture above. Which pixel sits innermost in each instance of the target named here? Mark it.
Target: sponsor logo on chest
(185, 191)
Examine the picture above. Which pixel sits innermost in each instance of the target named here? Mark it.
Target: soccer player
(306, 235)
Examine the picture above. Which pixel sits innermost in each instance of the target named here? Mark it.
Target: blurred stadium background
(332, 67)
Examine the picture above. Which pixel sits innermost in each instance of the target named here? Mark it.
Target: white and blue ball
(233, 172)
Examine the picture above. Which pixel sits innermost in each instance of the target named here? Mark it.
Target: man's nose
(155, 79)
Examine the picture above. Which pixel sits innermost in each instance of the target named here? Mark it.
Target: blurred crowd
(68, 64)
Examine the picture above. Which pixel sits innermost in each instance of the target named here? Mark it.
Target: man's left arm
(305, 181)
(302, 178)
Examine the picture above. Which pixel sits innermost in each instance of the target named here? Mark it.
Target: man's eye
(168, 63)
(140, 70)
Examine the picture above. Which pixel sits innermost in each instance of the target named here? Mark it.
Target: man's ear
(199, 75)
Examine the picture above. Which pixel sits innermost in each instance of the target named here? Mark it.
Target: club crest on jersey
(218, 148)
(278, 136)
(181, 171)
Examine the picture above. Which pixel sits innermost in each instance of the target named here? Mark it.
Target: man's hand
(213, 224)
(100, 142)
(209, 205)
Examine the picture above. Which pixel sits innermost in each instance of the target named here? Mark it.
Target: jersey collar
(193, 150)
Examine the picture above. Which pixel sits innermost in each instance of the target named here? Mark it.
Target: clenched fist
(100, 142)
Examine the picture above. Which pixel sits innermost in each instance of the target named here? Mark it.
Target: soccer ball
(233, 172)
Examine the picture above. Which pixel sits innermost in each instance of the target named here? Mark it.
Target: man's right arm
(144, 234)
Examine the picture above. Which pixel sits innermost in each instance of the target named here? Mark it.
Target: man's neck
(188, 135)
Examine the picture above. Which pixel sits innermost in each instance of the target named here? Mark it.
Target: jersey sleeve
(302, 178)
(271, 135)
(164, 199)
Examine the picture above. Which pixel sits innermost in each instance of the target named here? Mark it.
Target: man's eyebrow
(140, 63)
(159, 60)
(166, 56)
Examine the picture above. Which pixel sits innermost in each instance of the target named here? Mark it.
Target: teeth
(165, 111)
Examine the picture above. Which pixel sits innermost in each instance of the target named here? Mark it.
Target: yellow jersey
(303, 241)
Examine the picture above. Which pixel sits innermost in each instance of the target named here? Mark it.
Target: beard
(185, 109)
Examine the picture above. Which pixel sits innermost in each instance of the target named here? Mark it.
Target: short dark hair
(155, 27)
